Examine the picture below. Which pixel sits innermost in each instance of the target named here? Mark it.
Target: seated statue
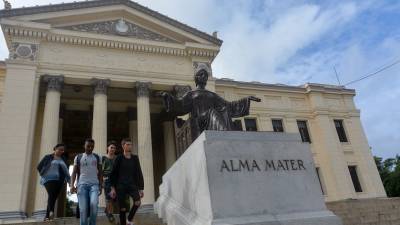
(208, 111)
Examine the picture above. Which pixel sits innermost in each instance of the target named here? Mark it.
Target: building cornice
(101, 3)
(306, 88)
(104, 41)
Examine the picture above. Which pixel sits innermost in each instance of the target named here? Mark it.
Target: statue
(208, 111)
(7, 5)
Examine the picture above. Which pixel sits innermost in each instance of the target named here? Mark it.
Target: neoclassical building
(92, 68)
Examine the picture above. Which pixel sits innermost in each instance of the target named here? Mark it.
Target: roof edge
(99, 3)
(308, 87)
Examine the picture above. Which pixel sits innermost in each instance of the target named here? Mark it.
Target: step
(140, 219)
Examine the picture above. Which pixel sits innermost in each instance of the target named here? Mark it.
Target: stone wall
(378, 211)
(2, 77)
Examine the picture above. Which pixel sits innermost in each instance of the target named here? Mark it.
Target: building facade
(91, 69)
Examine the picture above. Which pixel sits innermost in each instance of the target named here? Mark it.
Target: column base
(39, 215)
(12, 215)
(145, 209)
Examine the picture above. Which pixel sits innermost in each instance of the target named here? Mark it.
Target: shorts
(107, 190)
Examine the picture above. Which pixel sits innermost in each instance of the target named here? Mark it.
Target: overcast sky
(294, 42)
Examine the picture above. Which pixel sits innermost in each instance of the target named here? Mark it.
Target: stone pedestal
(257, 178)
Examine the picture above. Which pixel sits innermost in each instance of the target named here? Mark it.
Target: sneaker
(51, 216)
(129, 223)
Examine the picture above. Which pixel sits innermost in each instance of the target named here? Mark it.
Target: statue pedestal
(257, 178)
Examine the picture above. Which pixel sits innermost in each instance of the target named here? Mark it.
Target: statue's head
(202, 71)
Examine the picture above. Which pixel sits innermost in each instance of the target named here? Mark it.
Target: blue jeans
(88, 194)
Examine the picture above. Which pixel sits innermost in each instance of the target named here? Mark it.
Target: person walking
(54, 172)
(87, 168)
(107, 162)
(127, 181)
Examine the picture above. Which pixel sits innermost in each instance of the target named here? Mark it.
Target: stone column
(99, 125)
(49, 137)
(145, 150)
(180, 90)
(133, 126)
(169, 143)
(60, 203)
(99, 122)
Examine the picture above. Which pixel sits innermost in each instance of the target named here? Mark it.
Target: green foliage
(389, 170)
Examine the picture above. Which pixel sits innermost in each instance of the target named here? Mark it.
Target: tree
(389, 170)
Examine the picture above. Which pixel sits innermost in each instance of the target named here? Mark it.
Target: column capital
(54, 83)
(143, 89)
(100, 85)
(180, 90)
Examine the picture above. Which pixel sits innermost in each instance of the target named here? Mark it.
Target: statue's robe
(208, 110)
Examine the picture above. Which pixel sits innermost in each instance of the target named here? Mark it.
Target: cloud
(299, 41)
(253, 51)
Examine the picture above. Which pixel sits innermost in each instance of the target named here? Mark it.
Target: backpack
(78, 162)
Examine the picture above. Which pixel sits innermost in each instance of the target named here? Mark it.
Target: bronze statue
(208, 111)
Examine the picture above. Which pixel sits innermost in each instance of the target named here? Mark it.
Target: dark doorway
(117, 128)
(77, 126)
(158, 151)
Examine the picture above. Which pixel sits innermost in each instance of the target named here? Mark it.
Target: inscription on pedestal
(238, 165)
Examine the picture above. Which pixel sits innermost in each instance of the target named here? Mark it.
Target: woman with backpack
(53, 170)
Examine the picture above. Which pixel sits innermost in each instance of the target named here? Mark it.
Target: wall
(2, 78)
(319, 105)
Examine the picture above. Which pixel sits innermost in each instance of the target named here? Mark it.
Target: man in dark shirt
(127, 181)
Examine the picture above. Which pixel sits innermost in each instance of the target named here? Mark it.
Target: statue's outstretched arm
(176, 106)
(253, 98)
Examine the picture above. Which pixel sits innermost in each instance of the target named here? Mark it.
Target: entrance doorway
(77, 126)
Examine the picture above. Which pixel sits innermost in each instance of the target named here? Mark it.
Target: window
(277, 125)
(320, 181)
(354, 178)
(305, 136)
(340, 130)
(251, 124)
(237, 124)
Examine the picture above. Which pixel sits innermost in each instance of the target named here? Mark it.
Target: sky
(297, 41)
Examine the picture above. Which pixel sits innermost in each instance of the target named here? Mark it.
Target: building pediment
(85, 12)
(117, 24)
(119, 27)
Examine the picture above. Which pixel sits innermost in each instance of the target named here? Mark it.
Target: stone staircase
(140, 219)
(377, 211)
